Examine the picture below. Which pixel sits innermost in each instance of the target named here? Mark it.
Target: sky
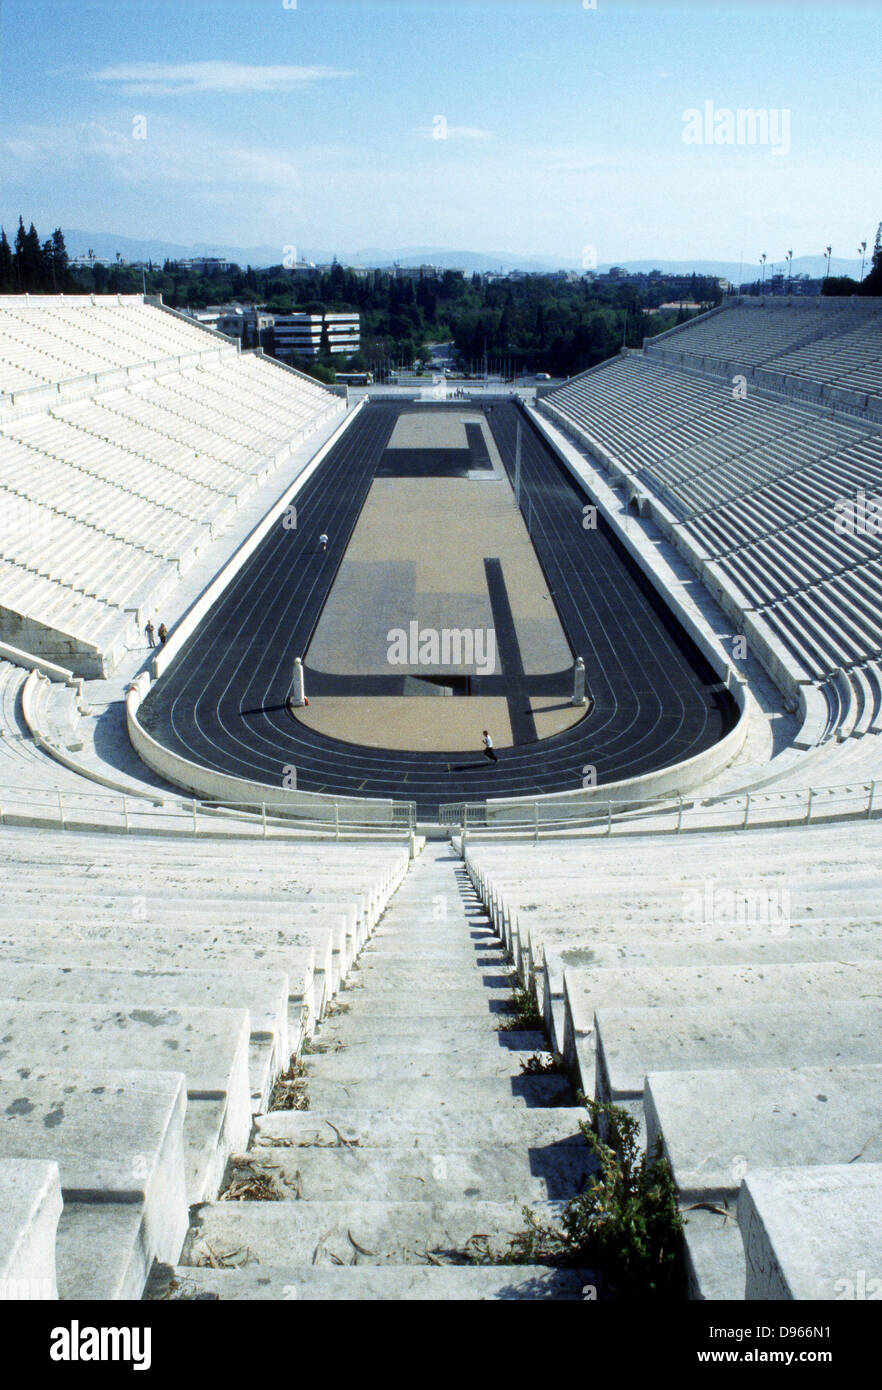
(525, 127)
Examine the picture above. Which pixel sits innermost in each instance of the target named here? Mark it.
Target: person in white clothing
(489, 752)
(323, 541)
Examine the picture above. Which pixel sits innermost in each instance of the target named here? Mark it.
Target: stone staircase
(423, 1139)
(726, 991)
(151, 996)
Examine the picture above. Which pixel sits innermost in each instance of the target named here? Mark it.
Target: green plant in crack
(625, 1226)
(627, 1221)
(522, 1014)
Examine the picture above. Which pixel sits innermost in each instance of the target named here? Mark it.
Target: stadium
(733, 696)
(438, 813)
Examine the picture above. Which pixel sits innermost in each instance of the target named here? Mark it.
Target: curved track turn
(222, 702)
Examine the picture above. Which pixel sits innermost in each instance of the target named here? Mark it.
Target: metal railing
(63, 809)
(856, 800)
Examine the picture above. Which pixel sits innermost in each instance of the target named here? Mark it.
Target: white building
(300, 335)
(417, 272)
(242, 321)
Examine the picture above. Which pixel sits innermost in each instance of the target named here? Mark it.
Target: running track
(222, 702)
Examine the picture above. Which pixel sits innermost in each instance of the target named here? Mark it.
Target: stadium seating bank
(130, 438)
(752, 437)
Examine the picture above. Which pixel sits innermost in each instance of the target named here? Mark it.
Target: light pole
(828, 253)
(763, 264)
(863, 250)
(789, 259)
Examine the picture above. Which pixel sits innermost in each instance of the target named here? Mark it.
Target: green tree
(7, 268)
(873, 282)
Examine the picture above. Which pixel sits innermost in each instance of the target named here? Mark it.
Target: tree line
(30, 266)
(535, 322)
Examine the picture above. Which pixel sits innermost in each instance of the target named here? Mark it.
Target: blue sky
(520, 126)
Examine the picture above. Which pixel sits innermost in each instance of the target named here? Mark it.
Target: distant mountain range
(106, 244)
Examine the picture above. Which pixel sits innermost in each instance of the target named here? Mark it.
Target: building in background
(301, 335)
(206, 265)
(250, 324)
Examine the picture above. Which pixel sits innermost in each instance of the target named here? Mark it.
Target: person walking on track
(489, 751)
(323, 541)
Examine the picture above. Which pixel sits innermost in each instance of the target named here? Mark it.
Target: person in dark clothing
(163, 633)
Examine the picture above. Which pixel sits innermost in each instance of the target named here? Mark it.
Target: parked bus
(355, 378)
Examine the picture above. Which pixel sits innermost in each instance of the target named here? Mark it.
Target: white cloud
(170, 152)
(140, 79)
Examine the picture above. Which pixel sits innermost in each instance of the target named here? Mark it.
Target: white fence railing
(856, 800)
(62, 809)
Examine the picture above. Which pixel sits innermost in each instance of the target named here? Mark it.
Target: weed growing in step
(522, 1014)
(290, 1091)
(627, 1220)
(542, 1064)
(316, 1049)
(626, 1226)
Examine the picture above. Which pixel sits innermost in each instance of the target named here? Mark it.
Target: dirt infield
(418, 552)
(431, 725)
(419, 555)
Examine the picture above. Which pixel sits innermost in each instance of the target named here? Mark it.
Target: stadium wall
(222, 787)
(53, 646)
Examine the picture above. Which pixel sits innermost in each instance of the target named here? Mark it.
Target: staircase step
(497, 1173)
(448, 1095)
(382, 1003)
(351, 1231)
(421, 1035)
(429, 1130)
(30, 1205)
(446, 979)
(374, 1283)
(456, 1062)
(395, 946)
